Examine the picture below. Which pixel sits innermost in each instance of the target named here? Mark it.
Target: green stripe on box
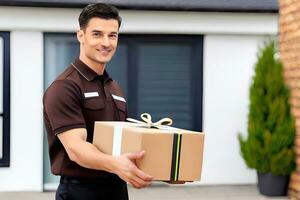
(176, 156)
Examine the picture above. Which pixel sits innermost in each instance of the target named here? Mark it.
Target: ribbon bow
(147, 121)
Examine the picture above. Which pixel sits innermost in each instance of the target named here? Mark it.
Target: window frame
(5, 160)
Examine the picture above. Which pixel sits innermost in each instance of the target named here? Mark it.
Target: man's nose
(105, 41)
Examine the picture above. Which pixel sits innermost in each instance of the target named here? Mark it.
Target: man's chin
(103, 61)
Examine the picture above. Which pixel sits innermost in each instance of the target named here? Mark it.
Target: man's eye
(96, 34)
(113, 36)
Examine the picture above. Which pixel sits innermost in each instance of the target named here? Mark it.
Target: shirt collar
(87, 72)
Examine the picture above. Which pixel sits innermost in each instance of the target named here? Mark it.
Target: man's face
(99, 40)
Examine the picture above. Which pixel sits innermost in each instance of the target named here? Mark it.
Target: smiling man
(82, 94)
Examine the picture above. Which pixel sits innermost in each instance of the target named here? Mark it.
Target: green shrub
(271, 128)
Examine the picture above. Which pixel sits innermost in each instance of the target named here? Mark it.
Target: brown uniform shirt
(76, 99)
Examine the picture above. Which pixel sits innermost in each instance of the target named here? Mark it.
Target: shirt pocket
(94, 103)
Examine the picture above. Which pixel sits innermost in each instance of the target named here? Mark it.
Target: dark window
(4, 99)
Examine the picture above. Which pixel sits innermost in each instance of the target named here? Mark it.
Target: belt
(93, 181)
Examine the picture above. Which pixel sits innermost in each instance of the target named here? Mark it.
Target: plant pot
(272, 185)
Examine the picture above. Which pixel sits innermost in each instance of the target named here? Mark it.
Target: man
(82, 94)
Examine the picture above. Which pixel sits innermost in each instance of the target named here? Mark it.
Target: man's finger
(141, 182)
(142, 175)
(135, 183)
(135, 156)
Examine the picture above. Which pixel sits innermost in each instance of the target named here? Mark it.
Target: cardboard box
(171, 154)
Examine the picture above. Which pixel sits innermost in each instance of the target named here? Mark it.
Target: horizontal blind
(165, 82)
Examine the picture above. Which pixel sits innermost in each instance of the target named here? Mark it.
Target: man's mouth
(104, 50)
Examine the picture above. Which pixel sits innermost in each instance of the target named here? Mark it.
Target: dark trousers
(90, 189)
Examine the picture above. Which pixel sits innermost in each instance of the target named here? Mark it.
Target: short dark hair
(99, 10)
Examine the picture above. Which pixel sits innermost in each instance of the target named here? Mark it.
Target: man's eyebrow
(97, 31)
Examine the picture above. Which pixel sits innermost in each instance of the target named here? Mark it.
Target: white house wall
(228, 67)
(25, 171)
(230, 46)
(58, 19)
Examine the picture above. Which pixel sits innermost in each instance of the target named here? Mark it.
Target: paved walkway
(166, 192)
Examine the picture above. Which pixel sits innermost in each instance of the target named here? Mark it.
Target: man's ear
(80, 35)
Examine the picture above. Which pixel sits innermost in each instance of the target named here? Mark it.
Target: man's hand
(125, 167)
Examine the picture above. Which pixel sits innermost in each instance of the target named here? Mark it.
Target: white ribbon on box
(147, 122)
(117, 141)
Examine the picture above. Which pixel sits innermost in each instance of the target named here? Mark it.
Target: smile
(104, 50)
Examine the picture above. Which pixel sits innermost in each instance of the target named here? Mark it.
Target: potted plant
(268, 147)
